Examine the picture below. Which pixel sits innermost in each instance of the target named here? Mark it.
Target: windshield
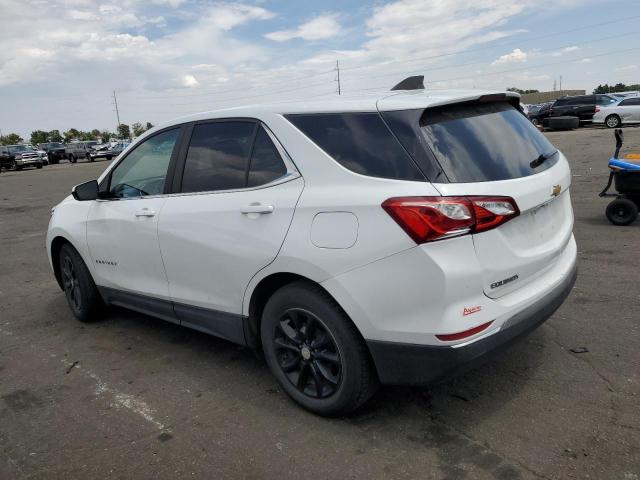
(56, 145)
(484, 142)
(18, 149)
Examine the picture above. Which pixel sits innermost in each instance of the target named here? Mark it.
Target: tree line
(124, 132)
(618, 87)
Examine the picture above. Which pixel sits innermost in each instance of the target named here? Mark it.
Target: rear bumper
(409, 364)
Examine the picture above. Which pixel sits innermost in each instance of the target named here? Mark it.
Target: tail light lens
(597, 109)
(426, 219)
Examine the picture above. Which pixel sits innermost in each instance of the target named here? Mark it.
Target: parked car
(621, 95)
(625, 112)
(581, 106)
(382, 238)
(17, 157)
(55, 151)
(538, 113)
(107, 151)
(41, 153)
(76, 150)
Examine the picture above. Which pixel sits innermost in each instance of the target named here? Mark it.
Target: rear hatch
(491, 149)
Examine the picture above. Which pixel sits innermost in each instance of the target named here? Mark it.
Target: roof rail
(411, 83)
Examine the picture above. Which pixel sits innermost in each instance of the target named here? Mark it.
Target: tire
(612, 121)
(535, 122)
(337, 371)
(563, 123)
(81, 292)
(72, 159)
(39, 166)
(622, 211)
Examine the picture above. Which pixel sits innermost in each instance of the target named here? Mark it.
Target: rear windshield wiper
(542, 158)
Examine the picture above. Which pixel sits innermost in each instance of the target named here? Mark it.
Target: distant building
(543, 97)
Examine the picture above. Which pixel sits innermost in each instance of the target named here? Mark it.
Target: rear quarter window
(360, 142)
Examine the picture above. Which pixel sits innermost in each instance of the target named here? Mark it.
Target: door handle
(145, 212)
(258, 208)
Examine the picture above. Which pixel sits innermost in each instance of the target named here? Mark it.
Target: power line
(477, 62)
(614, 52)
(266, 94)
(379, 64)
(220, 92)
(488, 47)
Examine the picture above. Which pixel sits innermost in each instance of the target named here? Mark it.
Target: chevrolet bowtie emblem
(556, 190)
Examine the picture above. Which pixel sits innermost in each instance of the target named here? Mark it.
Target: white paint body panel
(211, 249)
(116, 235)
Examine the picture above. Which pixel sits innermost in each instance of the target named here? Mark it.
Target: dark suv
(55, 151)
(581, 106)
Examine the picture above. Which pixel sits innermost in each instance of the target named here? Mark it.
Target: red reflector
(449, 337)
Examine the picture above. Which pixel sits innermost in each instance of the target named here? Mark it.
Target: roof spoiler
(411, 83)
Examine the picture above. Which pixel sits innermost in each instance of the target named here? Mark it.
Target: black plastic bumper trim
(410, 364)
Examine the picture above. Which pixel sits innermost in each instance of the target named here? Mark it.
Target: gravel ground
(134, 397)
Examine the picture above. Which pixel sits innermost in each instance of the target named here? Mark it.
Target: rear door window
(360, 142)
(218, 156)
(484, 142)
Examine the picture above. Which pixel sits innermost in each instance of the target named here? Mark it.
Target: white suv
(383, 239)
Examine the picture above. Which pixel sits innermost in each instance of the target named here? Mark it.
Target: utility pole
(115, 102)
(338, 79)
(560, 84)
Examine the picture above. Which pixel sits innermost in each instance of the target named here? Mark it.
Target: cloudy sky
(61, 60)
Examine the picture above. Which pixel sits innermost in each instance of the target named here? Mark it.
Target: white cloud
(561, 52)
(228, 16)
(516, 56)
(190, 81)
(627, 68)
(81, 15)
(319, 28)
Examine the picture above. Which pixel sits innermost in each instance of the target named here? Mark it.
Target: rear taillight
(426, 219)
(597, 109)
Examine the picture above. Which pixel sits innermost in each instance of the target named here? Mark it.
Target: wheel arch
(261, 293)
(56, 245)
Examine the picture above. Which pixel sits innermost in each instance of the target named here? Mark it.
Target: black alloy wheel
(79, 288)
(307, 353)
(71, 284)
(315, 351)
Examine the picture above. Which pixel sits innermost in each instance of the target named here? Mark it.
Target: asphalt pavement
(135, 397)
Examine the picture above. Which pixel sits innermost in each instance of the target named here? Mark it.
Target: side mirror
(85, 191)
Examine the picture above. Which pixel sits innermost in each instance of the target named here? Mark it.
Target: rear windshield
(484, 142)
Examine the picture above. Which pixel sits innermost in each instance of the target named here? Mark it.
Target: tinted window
(604, 100)
(360, 142)
(266, 164)
(144, 171)
(484, 142)
(561, 101)
(218, 156)
(630, 101)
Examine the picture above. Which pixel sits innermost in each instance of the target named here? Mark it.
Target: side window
(266, 164)
(629, 102)
(360, 142)
(144, 171)
(218, 156)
